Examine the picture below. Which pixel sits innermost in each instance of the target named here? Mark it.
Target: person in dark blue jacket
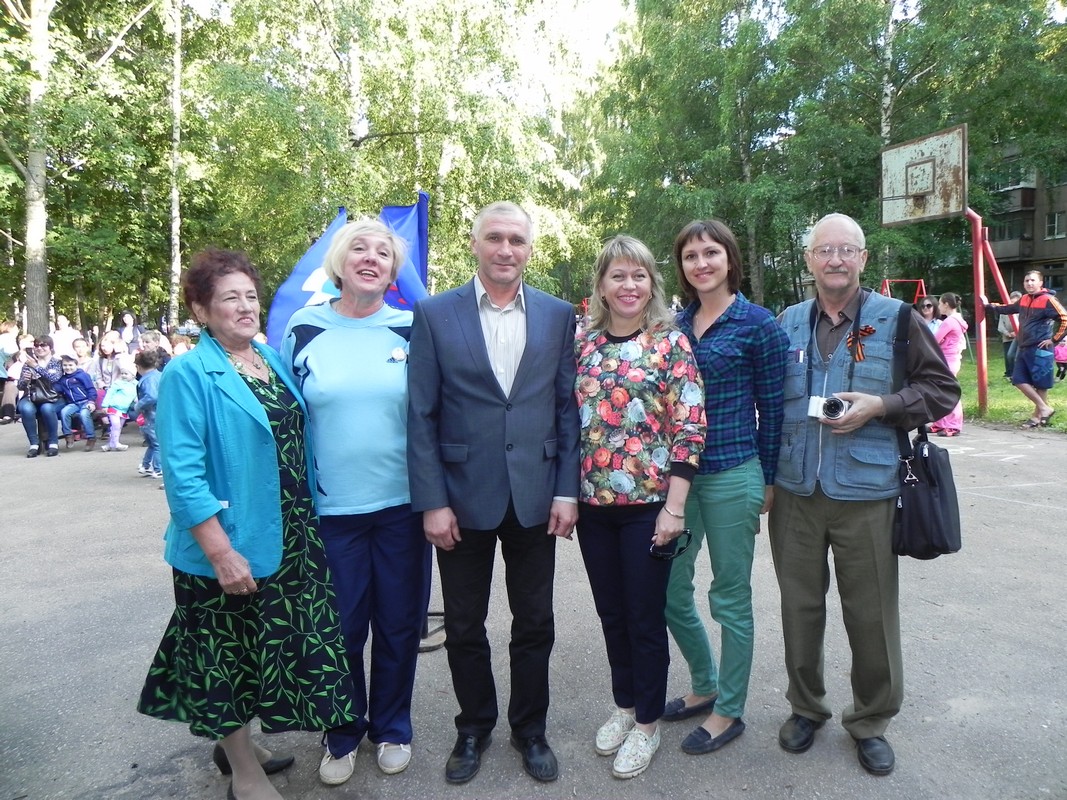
(79, 392)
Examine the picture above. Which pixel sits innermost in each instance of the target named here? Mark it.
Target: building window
(1007, 229)
(1056, 225)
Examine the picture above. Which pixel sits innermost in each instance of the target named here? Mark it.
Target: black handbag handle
(900, 356)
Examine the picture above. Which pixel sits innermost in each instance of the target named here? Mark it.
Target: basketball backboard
(925, 178)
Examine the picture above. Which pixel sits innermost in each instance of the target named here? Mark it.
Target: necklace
(256, 363)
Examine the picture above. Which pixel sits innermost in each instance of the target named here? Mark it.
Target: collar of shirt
(828, 332)
(504, 332)
(483, 297)
(736, 310)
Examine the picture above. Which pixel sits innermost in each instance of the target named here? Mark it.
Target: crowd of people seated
(62, 387)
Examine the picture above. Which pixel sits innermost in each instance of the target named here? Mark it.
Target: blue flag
(308, 284)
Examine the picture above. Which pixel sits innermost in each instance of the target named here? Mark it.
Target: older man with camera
(837, 485)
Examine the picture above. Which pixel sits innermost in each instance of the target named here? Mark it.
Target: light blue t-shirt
(353, 375)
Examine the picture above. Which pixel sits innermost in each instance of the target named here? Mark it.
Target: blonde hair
(627, 248)
(334, 263)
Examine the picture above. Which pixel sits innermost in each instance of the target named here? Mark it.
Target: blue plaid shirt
(742, 359)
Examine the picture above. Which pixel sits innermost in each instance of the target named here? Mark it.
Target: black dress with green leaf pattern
(277, 654)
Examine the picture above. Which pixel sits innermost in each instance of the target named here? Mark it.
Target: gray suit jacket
(469, 446)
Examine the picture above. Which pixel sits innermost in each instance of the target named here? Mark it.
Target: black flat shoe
(701, 741)
(537, 757)
(466, 758)
(798, 733)
(875, 755)
(275, 764)
(676, 709)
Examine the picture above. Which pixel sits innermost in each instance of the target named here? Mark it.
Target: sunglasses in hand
(672, 549)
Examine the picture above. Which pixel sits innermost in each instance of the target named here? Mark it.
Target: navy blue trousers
(630, 592)
(380, 564)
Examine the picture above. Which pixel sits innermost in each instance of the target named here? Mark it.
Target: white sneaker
(635, 754)
(613, 732)
(120, 447)
(143, 470)
(335, 771)
(393, 758)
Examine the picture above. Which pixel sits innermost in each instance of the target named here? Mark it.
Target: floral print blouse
(641, 403)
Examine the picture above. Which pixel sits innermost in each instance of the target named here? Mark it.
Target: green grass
(1004, 403)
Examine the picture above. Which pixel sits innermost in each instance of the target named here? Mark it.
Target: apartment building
(1030, 230)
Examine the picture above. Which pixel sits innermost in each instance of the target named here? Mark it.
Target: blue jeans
(49, 412)
(151, 453)
(84, 413)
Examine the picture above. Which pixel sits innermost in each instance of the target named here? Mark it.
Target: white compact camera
(827, 407)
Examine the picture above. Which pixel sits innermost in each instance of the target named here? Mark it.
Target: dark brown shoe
(89, 444)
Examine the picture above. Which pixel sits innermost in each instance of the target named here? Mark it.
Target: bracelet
(676, 516)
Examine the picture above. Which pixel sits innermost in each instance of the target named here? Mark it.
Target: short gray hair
(504, 210)
(810, 236)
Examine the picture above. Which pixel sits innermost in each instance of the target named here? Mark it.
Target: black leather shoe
(875, 755)
(700, 741)
(466, 758)
(275, 764)
(798, 733)
(537, 757)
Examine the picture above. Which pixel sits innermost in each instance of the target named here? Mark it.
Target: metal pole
(977, 253)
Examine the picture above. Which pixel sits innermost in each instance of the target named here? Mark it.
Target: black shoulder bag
(41, 390)
(928, 512)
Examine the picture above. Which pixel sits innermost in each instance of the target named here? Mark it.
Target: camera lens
(833, 408)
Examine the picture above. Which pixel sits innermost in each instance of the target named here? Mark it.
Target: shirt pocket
(720, 359)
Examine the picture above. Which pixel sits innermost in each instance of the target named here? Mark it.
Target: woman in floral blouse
(642, 412)
(742, 356)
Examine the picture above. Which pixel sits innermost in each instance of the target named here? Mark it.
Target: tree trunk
(36, 169)
(175, 167)
(888, 90)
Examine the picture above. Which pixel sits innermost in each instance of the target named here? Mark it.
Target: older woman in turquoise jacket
(255, 631)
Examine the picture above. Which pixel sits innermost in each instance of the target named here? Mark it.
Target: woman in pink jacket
(951, 334)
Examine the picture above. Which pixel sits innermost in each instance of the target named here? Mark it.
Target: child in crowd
(1060, 354)
(117, 401)
(147, 362)
(8, 411)
(154, 341)
(78, 390)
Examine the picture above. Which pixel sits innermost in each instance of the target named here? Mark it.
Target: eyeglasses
(846, 252)
(41, 344)
(927, 305)
(671, 550)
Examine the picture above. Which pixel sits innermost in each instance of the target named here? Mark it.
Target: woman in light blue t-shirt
(349, 356)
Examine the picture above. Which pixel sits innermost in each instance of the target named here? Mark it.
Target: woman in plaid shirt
(742, 356)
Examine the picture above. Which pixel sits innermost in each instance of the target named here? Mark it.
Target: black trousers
(466, 578)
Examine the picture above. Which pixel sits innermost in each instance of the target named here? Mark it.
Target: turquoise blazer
(220, 459)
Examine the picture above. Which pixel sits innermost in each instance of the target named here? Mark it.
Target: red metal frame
(981, 252)
(920, 289)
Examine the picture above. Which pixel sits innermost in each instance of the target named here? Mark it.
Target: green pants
(722, 508)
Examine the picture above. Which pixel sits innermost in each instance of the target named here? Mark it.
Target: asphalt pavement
(85, 595)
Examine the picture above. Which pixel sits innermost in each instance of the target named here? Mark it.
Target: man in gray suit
(493, 454)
